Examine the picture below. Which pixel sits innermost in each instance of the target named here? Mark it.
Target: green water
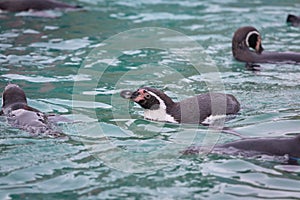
(75, 65)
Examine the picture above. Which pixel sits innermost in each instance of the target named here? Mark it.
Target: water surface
(109, 139)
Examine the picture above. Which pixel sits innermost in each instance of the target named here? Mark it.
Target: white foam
(213, 119)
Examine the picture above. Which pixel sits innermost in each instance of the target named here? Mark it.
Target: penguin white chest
(159, 115)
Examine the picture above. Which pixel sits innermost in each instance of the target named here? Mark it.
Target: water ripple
(43, 55)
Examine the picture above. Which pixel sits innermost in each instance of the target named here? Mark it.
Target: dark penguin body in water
(293, 20)
(259, 146)
(247, 47)
(194, 110)
(22, 116)
(26, 5)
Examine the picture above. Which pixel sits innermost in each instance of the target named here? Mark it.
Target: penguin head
(247, 37)
(13, 94)
(148, 98)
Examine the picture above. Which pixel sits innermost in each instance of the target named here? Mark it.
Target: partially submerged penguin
(194, 110)
(282, 146)
(293, 20)
(247, 47)
(38, 5)
(22, 116)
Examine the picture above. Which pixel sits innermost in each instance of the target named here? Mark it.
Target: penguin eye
(147, 96)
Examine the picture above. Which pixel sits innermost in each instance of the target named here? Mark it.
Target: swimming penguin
(26, 5)
(194, 110)
(249, 147)
(293, 20)
(22, 116)
(247, 47)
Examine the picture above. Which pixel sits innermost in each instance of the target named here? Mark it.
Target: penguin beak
(138, 95)
(134, 96)
(258, 47)
(126, 94)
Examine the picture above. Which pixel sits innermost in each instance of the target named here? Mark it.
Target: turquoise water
(75, 65)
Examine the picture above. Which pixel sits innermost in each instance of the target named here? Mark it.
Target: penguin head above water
(148, 98)
(13, 94)
(247, 47)
(253, 40)
(14, 98)
(247, 37)
(157, 104)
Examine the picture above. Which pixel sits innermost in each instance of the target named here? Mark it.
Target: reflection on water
(108, 134)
